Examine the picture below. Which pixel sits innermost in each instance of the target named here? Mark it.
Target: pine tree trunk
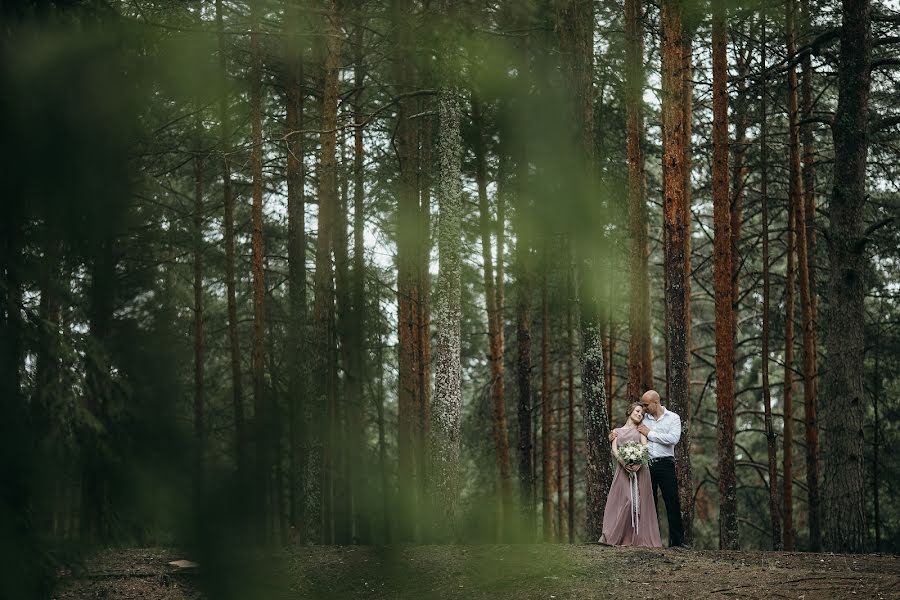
(570, 389)
(343, 493)
(576, 40)
(728, 529)
(844, 498)
(320, 412)
(199, 428)
(676, 261)
(259, 283)
(409, 319)
(809, 384)
(297, 334)
(546, 415)
(766, 319)
(296, 178)
(448, 371)
(682, 450)
(494, 317)
(788, 420)
(362, 490)
(228, 205)
(640, 368)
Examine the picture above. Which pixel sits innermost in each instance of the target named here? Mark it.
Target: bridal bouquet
(633, 453)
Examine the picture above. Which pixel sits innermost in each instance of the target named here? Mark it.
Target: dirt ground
(490, 572)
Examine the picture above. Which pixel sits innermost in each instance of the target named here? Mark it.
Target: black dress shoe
(681, 546)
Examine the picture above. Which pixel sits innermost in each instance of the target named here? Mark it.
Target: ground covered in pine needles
(489, 572)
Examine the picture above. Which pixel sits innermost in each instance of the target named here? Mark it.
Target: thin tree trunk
(237, 390)
(728, 528)
(259, 283)
(787, 469)
(409, 320)
(362, 490)
(876, 447)
(494, 317)
(766, 327)
(570, 388)
(321, 385)
(558, 454)
(546, 414)
(576, 40)
(767, 396)
(809, 384)
(640, 367)
(199, 429)
(844, 499)
(297, 335)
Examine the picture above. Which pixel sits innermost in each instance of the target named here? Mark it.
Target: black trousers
(662, 476)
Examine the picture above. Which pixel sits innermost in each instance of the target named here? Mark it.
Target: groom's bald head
(650, 401)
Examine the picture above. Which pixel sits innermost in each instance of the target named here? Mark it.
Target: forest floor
(488, 572)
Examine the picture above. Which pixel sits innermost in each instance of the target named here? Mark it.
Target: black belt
(662, 458)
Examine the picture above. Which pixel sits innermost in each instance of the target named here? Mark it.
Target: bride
(630, 515)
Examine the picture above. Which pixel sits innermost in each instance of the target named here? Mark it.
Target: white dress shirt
(664, 433)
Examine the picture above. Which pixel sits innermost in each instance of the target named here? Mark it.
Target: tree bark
(547, 460)
(260, 416)
(787, 469)
(298, 434)
(199, 401)
(766, 322)
(676, 265)
(844, 499)
(237, 391)
(494, 316)
(576, 41)
(809, 384)
(448, 370)
(570, 388)
(728, 527)
(409, 320)
(321, 384)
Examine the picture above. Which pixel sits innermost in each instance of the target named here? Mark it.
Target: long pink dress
(618, 516)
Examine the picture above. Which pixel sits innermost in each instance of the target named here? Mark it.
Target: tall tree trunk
(259, 282)
(640, 367)
(558, 454)
(94, 488)
(199, 428)
(809, 384)
(237, 389)
(844, 500)
(343, 493)
(362, 490)
(675, 230)
(787, 470)
(766, 320)
(409, 319)
(682, 451)
(809, 168)
(728, 529)
(876, 447)
(494, 317)
(297, 334)
(570, 389)
(321, 385)
(546, 413)
(444, 472)
(576, 40)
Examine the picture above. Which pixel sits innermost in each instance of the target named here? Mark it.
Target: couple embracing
(644, 449)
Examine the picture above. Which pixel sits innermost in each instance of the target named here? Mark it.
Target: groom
(663, 430)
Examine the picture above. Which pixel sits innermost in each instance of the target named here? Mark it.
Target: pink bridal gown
(623, 526)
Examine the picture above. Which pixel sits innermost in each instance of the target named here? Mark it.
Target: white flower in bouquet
(633, 453)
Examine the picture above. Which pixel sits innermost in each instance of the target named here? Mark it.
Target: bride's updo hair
(631, 409)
